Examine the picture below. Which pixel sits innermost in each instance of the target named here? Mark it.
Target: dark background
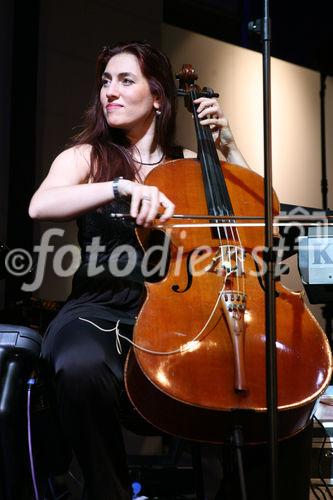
(32, 34)
(302, 32)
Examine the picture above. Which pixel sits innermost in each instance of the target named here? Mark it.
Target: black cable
(30, 383)
(320, 458)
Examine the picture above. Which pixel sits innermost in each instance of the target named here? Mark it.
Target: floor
(322, 462)
(322, 454)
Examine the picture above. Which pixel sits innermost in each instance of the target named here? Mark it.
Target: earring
(158, 112)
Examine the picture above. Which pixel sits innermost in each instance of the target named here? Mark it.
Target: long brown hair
(111, 150)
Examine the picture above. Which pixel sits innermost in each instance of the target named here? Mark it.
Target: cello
(197, 368)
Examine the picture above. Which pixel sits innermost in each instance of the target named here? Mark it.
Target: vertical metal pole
(271, 365)
(262, 26)
(324, 185)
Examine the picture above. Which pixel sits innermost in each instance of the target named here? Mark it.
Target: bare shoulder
(72, 165)
(76, 157)
(188, 153)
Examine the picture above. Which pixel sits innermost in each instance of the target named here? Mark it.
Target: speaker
(19, 358)
(19, 351)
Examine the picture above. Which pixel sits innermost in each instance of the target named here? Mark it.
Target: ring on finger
(146, 198)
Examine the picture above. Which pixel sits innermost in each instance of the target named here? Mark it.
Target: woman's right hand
(146, 202)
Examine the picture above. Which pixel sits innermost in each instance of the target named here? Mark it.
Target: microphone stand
(324, 184)
(262, 27)
(327, 307)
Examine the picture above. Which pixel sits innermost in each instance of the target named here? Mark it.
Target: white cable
(185, 347)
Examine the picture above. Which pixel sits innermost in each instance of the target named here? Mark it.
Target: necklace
(149, 164)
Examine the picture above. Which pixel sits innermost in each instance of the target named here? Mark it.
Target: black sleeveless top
(108, 283)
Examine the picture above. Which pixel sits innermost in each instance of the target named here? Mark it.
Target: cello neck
(217, 196)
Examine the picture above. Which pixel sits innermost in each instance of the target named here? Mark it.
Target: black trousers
(86, 372)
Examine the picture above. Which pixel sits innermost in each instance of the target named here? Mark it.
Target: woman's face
(125, 94)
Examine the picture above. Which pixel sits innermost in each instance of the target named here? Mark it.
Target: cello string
(218, 205)
(235, 255)
(219, 201)
(214, 175)
(215, 178)
(205, 141)
(243, 270)
(233, 249)
(217, 173)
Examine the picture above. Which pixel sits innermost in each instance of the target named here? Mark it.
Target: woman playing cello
(129, 131)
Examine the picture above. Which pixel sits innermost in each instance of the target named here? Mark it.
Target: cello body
(208, 326)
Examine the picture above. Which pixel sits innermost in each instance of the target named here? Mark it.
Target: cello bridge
(228, 259)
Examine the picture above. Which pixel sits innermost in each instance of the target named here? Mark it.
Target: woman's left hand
(210, 113)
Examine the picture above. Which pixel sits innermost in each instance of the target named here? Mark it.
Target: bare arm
(66, 192)
(233, 155)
